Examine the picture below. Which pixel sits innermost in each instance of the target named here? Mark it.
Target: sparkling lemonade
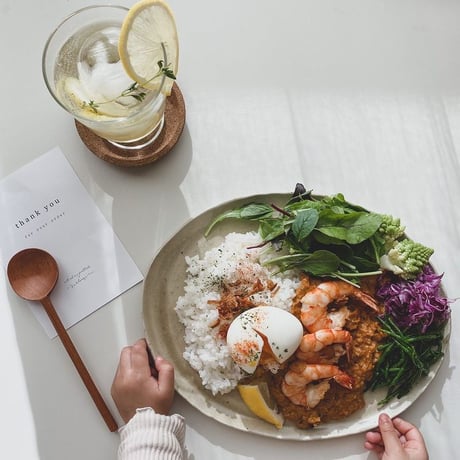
(85, 75)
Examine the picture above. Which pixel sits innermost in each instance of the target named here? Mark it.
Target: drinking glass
(83, 72)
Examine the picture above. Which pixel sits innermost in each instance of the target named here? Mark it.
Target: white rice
(227, 261)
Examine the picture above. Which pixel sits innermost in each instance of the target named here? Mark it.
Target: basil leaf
(321, 262)
(300, 205)
(363, 228)
(339, 201)
(271, 228)
(353, 228)
(327, 240)
(251, 211)
(321, 235)
(255, 211)
(363, 264)
(304, 223)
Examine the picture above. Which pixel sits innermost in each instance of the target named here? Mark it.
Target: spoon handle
(81, 368)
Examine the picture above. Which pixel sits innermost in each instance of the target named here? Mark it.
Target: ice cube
(104, 81)
(100, 46)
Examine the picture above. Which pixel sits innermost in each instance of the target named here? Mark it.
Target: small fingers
(124, 364)
(374, 437)
(139, 357)
(165, 378)
(377, 448)
(374, 442)
(127, 353)
(390, 435)
(406, 429)
(402, 425)
(165, 373)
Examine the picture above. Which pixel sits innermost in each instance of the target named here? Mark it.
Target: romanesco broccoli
(390, 230)
(407, 258)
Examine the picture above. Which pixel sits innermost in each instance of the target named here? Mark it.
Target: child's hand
(134, 386)
(396, 440)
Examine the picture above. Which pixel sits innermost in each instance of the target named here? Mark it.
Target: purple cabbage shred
(416, 303)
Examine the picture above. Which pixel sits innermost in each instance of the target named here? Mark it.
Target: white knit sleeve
(149, 436)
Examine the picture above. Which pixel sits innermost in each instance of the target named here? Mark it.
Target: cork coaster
(174, 121)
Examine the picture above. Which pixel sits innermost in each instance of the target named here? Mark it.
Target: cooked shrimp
(314, 314)
(321, 338)
(298, 387)
(302, 374)
(307, 396)
(312, 347)
(328, 355)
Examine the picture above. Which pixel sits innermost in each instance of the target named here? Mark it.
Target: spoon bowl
(33, 274)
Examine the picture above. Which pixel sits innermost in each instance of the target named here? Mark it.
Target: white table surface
(359, 96)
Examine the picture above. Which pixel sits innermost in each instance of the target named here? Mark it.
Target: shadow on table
(145, 204)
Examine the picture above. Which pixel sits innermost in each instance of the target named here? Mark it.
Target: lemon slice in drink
(257, 398)
(148, 26)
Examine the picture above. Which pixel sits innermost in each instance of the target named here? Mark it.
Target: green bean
(406, 356)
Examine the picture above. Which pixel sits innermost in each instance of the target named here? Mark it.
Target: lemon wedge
(148, 26)
(257, 398)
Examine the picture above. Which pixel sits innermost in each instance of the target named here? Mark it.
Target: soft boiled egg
(268, 329)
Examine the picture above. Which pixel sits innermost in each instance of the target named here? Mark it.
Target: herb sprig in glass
(136, 90)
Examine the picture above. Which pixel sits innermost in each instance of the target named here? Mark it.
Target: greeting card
(44, 205)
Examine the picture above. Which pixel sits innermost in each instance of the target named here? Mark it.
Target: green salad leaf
(352, 227)
(304, 223)
(326, 236)
(251, 211)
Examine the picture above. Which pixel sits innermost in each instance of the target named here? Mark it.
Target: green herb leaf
(353, 227)
(256, 211)
(321, 263)
(251, 211)
(271, 228)
(304, 223)
(139, 97)
(298, 206)
(327, 240)
(134, 90)
(169, 73)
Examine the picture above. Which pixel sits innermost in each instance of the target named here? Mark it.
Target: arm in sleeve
(152, 436)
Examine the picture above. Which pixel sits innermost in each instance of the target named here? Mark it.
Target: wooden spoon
(33, 273)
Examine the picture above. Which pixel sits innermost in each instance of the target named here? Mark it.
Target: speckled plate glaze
(164, 284)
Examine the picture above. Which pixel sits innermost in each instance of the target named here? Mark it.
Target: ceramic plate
(164, 284)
